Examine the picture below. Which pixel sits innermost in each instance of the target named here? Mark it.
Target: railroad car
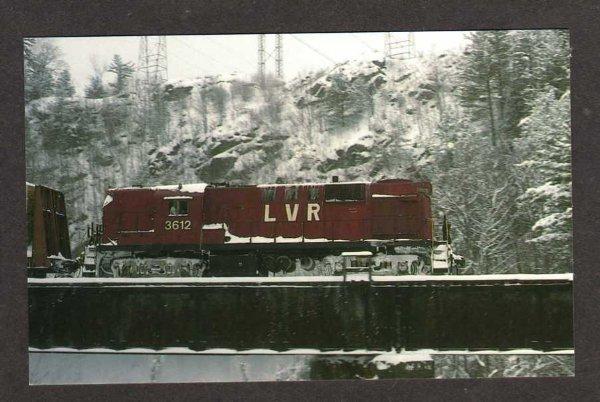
(48, 245)
(383, 227)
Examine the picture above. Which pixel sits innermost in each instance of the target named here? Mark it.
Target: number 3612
(178, 225)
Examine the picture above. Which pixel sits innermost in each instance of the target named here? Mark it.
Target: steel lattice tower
(151, 74)
(152, 65)
(263, 57)
(400, 45)
(279, 55)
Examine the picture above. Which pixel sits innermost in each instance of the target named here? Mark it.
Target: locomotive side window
(178, 207)
(313, 193)
(268, 194)
(291, 193)
(344, 192)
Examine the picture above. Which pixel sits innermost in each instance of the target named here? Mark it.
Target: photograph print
(298, 206)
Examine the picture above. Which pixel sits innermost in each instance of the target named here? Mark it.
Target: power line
(209, 58)
(231, 51)
(365, 43)
(195, 66)
(313, 49)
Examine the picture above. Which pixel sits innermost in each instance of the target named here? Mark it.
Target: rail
(283, 280)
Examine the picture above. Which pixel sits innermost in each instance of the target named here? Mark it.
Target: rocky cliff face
(357, 120)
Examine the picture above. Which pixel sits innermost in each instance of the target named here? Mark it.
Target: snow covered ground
(104, 366)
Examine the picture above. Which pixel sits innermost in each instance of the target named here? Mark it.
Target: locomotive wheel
(284, 263)
(414, 267)
(307, 263)
(270, 263)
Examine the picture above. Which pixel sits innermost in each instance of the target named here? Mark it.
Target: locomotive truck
(306, 229)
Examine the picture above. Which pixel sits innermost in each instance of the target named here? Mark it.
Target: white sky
(191, 56)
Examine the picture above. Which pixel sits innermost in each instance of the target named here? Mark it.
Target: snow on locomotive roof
(186, 188)
(309, 184)
(201, 187)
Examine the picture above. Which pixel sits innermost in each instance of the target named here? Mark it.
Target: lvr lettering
(291, 211)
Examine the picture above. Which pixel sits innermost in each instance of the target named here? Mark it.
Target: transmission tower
(151, 74)
(279, 55)
(261, 59)
(400, 45)
(264, 56)
(152, 64)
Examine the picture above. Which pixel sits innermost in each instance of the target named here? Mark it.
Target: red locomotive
(278, 229)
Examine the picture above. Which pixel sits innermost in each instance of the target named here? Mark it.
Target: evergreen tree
(28, 44)
(123, 72)
(345, 100)
(472, 185)
(95, 89)
(538, 59)
(546, 162)
(41, 59)
(63, 86)
(485, 81)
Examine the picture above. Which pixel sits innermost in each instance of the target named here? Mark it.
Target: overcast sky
(198, 55)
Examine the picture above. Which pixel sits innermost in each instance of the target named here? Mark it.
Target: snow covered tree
(546, 162)
(28, 44)
(473, 186)
(41, 60)
(345, 100)
(484, 81)
(95, 89)
(538, 59)
(63, 86)
(123, 72)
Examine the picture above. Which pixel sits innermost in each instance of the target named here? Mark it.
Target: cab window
(313, 193)
(344, 192)
(178, 207)
(268, 194)
(291, 194)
